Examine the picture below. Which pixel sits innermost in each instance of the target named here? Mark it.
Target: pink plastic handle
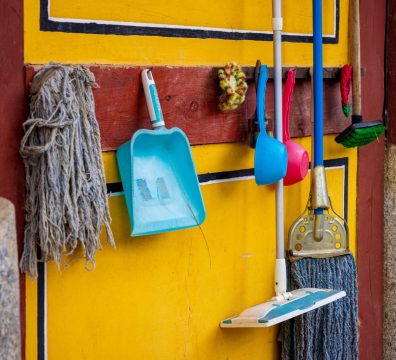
(287, 95)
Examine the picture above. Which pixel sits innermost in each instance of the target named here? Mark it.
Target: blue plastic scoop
(158, 174)
(270, 158)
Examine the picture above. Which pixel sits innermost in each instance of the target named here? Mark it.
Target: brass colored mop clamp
(319, 235)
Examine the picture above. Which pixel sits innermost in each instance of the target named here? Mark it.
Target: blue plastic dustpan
(158, 175)
(270, 158)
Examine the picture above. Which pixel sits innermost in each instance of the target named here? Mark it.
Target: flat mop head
(276, 311)
(360, 134)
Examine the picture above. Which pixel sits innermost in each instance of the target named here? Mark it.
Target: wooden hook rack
(189, 100)
(301, 72)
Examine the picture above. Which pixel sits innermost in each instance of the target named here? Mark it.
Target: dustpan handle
(152, 100)
(260, 97)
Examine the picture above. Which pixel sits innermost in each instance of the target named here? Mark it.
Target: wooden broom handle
(355, 57)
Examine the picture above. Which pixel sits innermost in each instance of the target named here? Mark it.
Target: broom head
(360, 133)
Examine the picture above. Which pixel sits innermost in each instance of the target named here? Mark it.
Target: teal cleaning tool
(158, 174)
(359, 133)
(270, 157)
(281, 309)
(285, 305)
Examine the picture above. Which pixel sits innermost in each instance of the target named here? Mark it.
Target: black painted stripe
(225, 175)
(234, 174)
(114, 188)
(127, 30)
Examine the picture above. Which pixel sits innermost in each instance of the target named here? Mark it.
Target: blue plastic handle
(318, 82)
(260, 97)
(318, 85)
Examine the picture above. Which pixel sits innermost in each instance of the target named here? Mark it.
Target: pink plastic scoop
(298, 160)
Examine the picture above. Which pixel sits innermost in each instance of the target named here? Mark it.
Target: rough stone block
(10, 341)
(390, 253)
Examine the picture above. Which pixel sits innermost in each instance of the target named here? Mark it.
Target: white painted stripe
(239, 178)
(118, 193)
(210, 182)
(243, 178)
(184, 27)
(345, 216)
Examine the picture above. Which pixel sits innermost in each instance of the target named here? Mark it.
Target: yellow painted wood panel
(230, 14)
(31, 318)
(42, 47)
(163, 296)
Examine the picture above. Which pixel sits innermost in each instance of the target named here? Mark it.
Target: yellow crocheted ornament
(234, 86)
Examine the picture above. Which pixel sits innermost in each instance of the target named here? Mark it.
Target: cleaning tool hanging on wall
(158, 175)
(234, 86)
(270, 157)
(345, 88)
(359, 133)
(253, 124)
(297, 156)
(253, 130)
(319, 249)
(285, 305)
(66, 201)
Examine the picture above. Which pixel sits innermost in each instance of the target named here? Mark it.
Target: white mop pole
(280, 266)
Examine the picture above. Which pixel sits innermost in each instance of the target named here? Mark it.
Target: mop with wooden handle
(359, 133)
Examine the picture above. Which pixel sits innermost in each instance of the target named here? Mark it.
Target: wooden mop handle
(355, 57)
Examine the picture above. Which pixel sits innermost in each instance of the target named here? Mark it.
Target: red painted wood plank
(370, 201)
(189, 99)
(12, 114)
(391, 74)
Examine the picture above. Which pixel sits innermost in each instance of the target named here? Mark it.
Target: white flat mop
(285, 305)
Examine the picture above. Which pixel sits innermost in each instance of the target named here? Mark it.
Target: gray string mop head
(66, 200)
(331, 332)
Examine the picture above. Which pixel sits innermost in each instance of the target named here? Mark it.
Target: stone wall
(10, 341)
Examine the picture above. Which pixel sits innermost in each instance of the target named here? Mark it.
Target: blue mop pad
(330, 332)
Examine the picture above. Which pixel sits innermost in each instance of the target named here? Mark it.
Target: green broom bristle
(363, 136)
